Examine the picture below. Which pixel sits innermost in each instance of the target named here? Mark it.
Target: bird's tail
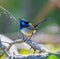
(46, 20)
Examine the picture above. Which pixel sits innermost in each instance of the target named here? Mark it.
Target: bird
(26, 28)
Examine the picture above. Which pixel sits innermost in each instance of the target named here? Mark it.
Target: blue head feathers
(23, 23)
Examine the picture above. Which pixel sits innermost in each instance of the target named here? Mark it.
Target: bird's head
(24, 23)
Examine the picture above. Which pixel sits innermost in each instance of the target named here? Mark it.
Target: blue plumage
(24, 23)
(26, 28)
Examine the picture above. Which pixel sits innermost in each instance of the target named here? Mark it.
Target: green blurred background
(29, 9)
(23, 8)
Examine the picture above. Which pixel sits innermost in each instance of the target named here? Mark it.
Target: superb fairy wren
(26, 28)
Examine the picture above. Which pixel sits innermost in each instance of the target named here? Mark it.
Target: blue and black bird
(26, 28)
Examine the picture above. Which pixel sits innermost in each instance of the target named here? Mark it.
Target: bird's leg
(23, 37)
(25, 40)
(32, 47)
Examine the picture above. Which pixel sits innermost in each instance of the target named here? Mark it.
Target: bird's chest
(27, 32)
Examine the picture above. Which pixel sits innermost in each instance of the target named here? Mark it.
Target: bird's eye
(26, 22)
